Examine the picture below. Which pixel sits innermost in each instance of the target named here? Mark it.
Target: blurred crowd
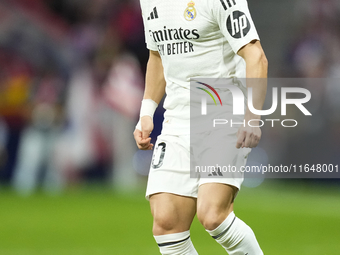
(316, 49)
(314, 53)
(71, 81)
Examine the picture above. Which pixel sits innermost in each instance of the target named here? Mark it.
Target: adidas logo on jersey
(216, 173)
(228, 3)
(153, 14)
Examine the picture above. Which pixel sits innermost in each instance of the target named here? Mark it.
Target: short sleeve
(150, 44)
(235, 22)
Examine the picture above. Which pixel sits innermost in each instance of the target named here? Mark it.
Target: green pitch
(287, 219)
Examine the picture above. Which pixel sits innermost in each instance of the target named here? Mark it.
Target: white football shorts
(171, 164)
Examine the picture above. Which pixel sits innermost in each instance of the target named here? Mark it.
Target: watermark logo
(204, 99)
(238, 102)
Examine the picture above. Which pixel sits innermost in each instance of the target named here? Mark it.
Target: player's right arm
(153, 94)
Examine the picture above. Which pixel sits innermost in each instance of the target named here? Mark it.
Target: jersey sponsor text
(172, 34)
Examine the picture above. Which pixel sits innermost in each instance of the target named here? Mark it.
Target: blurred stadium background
(71, 178)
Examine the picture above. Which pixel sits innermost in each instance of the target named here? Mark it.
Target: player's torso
(187, 38)
(176, 26)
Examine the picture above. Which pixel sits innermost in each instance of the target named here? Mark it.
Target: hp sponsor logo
(238, 24)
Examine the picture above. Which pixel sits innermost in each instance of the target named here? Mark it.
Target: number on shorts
(158, 157)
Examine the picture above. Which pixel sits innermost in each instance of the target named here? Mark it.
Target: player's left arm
(256, 74)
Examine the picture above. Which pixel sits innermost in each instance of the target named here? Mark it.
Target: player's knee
(210, 221)
(211, 218)
(164, 224)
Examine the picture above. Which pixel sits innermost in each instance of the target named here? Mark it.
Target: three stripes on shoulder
(225, 3)
(230, 3)
(153, 14)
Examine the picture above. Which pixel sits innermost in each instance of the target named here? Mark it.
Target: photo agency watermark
(299, 124)
(239, 104)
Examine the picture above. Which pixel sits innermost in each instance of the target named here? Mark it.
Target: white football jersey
(196, 39)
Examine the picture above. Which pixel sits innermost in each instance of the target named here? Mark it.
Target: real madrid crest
(190, 12)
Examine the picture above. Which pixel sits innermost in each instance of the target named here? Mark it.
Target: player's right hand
(142, 137)
(248, 137)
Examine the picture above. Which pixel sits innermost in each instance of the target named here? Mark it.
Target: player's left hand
(248, 137)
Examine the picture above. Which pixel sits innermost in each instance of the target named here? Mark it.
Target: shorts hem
(234, 184)
(147, 196)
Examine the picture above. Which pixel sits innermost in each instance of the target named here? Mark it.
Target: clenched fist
(248, 137)
(142, 137)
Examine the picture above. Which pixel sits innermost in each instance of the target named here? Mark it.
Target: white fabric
(182, 248)
(148, 108)
(196, 48)
(170, 166)
(239, 239)
(223, 226)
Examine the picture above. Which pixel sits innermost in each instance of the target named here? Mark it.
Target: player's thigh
(170, 168)
(172, 213)
(214, 203)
